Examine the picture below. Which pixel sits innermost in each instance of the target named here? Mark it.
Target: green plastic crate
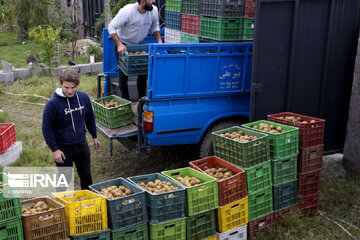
(113, 117)
(260, 203)
(10, 208)
(190, 6)
(200, 198)
(248, 29)
(189, 38)
(137, 232)
(12, 230)
(175, 229)
(173, 5)
(201, 226)
(104, 235)
(134, 65)
(258, 177)
(244, 155)
(223, 29)
(285, 195)
(283, 144)
(284, 170)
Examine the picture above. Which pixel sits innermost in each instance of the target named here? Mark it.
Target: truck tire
(205, 145)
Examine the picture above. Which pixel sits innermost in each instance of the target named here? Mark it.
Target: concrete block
(21, 73)
(6, 66)
(57, 71)
(85, 68)
(76, 68)
(7, 78)
(11, 155)
(97, 67)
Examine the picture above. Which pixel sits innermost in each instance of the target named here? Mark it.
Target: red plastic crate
(310, 134)
(309, 183)
(230, 189)
(249, 9)
(190, 24)
(310, 159)
(259, 224)
(278, 215)
(7, 136)
(309, 204)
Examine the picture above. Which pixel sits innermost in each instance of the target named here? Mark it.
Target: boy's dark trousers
(80, 155)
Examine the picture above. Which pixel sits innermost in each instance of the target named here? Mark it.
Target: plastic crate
(223, 29)
(175, 229)
(309, 204)
(133, 65)
(53, 228)
(283, 144)
(200, 226)
(190, 7)
(83, 217)
(239, 233)
(104, 235)
(113, 117)
(189, 38)
(258, 177)
(172, 20)
(249, 9)
(230, 189)
(10, 208)
(284, 170)
(248, 29)
(310, 159)
(260, 203)
(137, 232)
(222, 8)
(173, 5)
(161, 207)
(310, 134)
(11, 230)
(200, 198)
(120, 213)
(233, 215)
(259, 225)
(7, 136)
(279, 215)
(190, 24)
(241, 154)
(285, 195)
(172, 35)
(309, 183)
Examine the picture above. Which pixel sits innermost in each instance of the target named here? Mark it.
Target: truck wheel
(205, 145)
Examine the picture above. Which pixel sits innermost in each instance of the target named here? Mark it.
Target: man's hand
(121, 48)
(96, 143)
(59, 156)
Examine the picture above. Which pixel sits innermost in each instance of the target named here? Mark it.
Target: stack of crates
(311, 134)
(173, 21)
(221, 20)
(232, 214)
(166, 211)
(127, 216)
(190, 21)
(254, 157)
(201, 202)
(86, 214)
(10, 150)
(10, 214)
(249, 16)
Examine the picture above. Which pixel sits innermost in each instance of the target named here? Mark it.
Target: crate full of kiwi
(135, 61)
(240, 146)
(113, 111)
(283, 139)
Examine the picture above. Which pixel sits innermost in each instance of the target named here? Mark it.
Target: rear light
(148, 122)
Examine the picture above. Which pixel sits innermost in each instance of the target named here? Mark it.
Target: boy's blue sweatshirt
(64, 119)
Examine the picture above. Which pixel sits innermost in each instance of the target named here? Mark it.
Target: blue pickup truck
(192, 91)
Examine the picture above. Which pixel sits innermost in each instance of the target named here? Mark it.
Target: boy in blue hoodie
(64, 119)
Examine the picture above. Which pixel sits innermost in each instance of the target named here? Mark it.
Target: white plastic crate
(172, 36)
(11, 155)
(239, 233)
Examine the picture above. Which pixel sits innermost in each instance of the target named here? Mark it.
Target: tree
(46, 37)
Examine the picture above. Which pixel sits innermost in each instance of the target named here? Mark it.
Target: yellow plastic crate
(211, 238)
(233, 215)
(85, 216)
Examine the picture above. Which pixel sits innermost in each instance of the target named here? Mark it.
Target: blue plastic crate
(120, 213)
(161, 207)
(285, 195)
(133, 65)
(173, 20)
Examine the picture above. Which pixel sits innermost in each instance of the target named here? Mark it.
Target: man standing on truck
(64, 119)
(130, 26)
